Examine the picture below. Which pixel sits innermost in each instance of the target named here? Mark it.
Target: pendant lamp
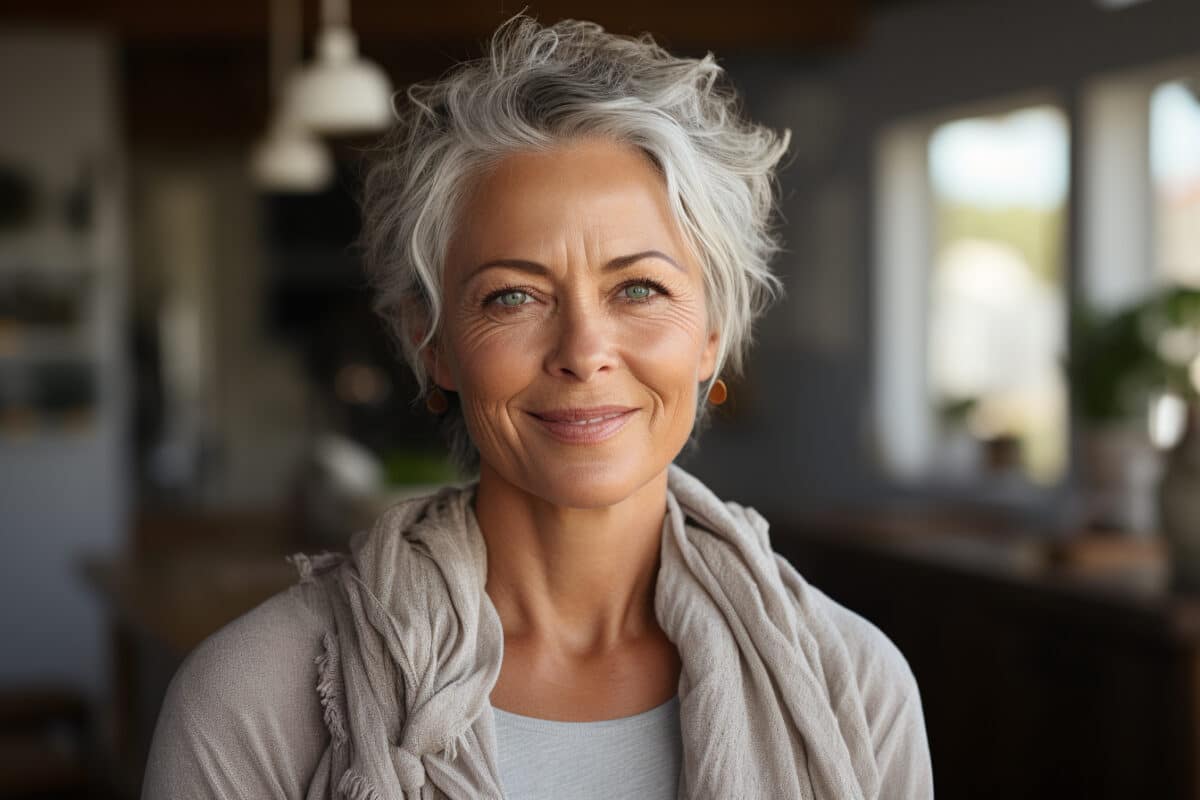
(290, 158)
(340, 93)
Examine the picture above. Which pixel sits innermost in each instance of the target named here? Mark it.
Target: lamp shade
(291, 162)
(290, 158)
(340, 93)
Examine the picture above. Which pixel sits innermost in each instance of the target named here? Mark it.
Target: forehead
(601, 194)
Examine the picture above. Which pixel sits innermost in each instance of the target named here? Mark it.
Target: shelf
(20, 342)
(19, 425)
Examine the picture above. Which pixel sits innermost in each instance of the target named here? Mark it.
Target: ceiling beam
(750, 23)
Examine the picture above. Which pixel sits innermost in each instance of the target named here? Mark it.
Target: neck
(579, 580)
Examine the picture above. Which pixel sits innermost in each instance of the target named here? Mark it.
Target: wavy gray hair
(535, 88)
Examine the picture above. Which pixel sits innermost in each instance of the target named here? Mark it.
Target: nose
(583, 343)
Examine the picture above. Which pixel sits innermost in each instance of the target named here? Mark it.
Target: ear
(708, 359)
(435, 362)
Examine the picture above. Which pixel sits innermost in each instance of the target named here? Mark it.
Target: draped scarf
(768, 702)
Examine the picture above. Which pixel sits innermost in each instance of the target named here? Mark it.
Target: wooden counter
(179, 600)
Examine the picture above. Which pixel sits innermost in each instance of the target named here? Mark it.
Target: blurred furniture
(1049, 667)
(183, 531)
(45, 741)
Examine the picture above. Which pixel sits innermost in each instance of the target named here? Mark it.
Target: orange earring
(718, 393)
(436, 401)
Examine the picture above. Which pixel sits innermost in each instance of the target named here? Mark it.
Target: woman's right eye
(513, 298)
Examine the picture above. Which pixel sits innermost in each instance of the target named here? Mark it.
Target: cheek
(491, 370)
(491, 358)
(665, 354)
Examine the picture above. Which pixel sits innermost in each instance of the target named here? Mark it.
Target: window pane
(1175, 164)
(997, 311)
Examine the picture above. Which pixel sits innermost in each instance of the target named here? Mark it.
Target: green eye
(513, 298)
(637, 291)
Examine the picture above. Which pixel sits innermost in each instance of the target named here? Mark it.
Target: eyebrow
(533, 267)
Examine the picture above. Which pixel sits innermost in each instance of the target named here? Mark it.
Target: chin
(585, 485)
(594, 484)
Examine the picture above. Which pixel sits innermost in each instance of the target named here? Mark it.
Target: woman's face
(568, 286)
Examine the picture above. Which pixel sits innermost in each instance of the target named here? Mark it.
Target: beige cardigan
(370, 678)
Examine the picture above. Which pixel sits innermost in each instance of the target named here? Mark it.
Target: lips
(584, 425)
(582, 416)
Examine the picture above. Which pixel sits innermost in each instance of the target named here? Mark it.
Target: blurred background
(973, 419)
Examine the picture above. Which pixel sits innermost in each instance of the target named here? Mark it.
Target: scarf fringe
(329, 690)
(354, 786)
(450, 751)
(309, 567)
(303, 565)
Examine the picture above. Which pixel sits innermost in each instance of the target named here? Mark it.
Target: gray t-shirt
(635, 756)
(242, 718)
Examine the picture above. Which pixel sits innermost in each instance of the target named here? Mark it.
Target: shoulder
(241, 716)
(881, 670)
(264, 652)
(891, 700)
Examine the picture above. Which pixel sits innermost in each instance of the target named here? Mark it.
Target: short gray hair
(537, 87)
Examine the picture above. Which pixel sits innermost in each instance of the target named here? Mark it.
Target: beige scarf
(768, 703)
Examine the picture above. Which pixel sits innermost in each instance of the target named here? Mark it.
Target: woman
(570, 237)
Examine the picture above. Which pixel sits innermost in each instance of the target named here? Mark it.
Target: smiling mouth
(584, 426)
(583, 414)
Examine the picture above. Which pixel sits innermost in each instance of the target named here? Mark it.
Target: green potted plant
(1120, 361)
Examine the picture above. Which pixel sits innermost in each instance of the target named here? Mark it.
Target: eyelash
(655, 285)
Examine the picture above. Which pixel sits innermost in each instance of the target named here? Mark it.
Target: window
(996, 301)
(1175, 170)
(971, 296)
